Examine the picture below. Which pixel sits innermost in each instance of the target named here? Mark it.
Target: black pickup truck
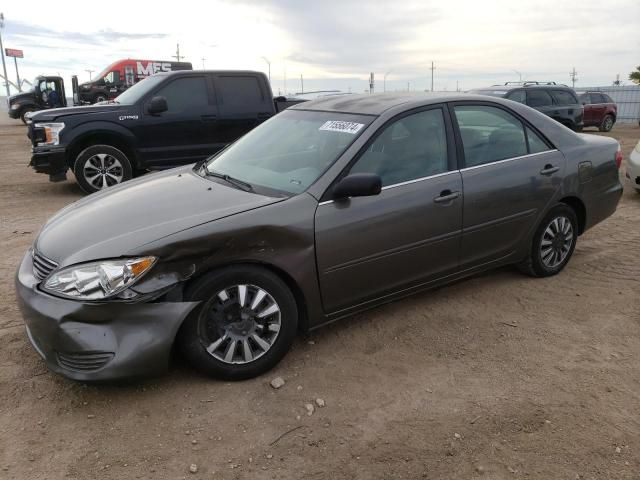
(167, 119)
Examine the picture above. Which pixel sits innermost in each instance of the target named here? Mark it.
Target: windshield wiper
(247, 187)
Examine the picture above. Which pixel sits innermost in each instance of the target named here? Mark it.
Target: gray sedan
(330, 208)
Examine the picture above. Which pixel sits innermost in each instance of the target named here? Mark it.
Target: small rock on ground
(309, 408)
(277, 382)
(320, 402)
(193, 468)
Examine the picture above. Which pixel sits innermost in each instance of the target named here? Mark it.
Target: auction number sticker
(340, 126)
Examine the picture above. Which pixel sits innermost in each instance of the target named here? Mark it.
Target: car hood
(18, 97)
(55, 113)
(111, 223)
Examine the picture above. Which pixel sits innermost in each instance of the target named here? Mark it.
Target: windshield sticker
(340, 126)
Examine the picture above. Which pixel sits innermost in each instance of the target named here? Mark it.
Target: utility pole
(384, 81)
(574, 77)
(457, 87)
(89, 72)
(371, 82)
(203, 59)
(177, 56)
(269, 65)
(15, 61)
(301, 84)
(519, 75)
(408, 86)
(4, 66)
(432, 69)
(285, 80)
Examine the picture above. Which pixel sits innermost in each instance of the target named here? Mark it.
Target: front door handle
(549, 169)
(446, 196)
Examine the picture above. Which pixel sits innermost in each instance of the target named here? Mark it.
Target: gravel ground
(500, 377)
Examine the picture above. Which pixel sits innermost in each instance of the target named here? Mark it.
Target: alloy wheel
(556, 242)
(608, 124)
(241, 324)
(103, 170)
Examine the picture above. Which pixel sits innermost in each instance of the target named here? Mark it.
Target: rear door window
(489, 134)
(597, 98)
(239, 94)
(562, 97)
(538, 98)
(536, 144)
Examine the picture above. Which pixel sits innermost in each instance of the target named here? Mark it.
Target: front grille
(42, 266)
(84, 361)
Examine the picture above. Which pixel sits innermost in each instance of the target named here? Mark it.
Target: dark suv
(557, 101)
(599, 110)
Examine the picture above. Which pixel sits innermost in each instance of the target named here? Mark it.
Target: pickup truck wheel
(553, 243)
(101, 97)
(245, 324)
(101, 166)
(23, 114)
(607, 124)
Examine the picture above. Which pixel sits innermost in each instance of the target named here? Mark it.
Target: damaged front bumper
(86, 341)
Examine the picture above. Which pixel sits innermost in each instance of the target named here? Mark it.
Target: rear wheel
(553, 243)
(100, 97)
(101, 166)
(246, 324)
(607, 123)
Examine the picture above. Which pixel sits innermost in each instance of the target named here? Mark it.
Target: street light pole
(384, 81)
(269, 65)
(4, 65)
(519, 75)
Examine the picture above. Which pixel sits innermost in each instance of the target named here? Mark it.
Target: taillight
(619, 156)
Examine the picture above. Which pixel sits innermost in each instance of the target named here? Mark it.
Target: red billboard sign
(13, 52)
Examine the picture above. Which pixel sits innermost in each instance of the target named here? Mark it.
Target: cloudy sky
(334, 44)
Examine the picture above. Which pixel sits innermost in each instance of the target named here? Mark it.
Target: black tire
(195, 333)
(100, 97)
(117, 168)
(23, 114)
(535, 265)
(607, 123)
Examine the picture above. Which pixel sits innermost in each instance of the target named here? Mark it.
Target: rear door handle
(446, 196)
(549, 169)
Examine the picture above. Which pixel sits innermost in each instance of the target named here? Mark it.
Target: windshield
(134, 93)
(291, 150)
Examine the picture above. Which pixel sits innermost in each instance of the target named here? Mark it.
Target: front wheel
(553, 243)
(24, 113)
(245, 325)
(607, 124)
(101, 166)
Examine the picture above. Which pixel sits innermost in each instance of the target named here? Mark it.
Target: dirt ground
(497, 377)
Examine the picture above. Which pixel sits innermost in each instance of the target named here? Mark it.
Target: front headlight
(15, 106)
(98, 280)
(51, 132)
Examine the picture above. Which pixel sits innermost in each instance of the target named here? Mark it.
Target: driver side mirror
(157, 105)
(358, 185)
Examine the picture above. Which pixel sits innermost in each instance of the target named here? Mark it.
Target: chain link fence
(627, 98)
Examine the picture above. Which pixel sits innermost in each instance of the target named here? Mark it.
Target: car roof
(528, 87)
(378, 103)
